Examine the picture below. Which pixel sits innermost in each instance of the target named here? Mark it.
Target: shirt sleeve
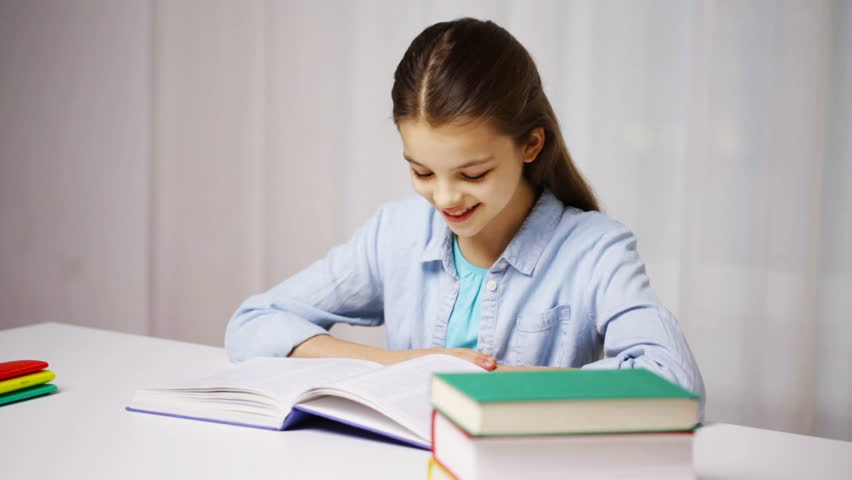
(638, 331)
(345, 286)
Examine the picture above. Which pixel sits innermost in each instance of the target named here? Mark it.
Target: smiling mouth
(460, 217)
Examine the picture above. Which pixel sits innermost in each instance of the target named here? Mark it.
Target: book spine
(432, 432)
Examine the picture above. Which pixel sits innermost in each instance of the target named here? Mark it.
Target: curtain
(717, 131)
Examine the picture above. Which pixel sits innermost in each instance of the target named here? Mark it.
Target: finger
(486, 362)
(480, 359)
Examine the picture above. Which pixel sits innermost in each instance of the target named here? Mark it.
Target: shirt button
(491, 286)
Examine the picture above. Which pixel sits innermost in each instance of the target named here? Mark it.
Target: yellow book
(24, 381)
(437, 472)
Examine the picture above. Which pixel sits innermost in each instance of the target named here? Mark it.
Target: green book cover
(564, 385)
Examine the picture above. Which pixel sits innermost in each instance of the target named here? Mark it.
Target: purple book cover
(300, 415)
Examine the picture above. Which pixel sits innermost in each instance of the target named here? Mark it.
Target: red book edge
(17, 368)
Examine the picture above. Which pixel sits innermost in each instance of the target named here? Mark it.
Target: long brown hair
(467, 70)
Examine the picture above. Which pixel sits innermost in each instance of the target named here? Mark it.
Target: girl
(503, 259)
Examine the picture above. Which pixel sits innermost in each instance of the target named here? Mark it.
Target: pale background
(162, 160)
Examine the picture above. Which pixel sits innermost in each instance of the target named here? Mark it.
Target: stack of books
(24, 379)
(557, 424)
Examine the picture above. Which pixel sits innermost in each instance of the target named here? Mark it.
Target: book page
(346, 411)
(400, 391)
(279, 378)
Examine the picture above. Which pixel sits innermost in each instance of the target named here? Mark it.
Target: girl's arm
(294, 318)
(512, 368)
(638, 331)
(345, 286)
(326, 346)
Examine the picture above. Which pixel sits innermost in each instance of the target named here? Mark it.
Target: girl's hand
(512, 368)
(326, 346)
(479, 359)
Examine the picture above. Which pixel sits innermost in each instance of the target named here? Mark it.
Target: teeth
(458, 214)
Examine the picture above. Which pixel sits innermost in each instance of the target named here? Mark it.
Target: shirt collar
(535, 233)
(523, 250)
(440, 244)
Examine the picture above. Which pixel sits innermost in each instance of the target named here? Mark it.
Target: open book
(275, 393)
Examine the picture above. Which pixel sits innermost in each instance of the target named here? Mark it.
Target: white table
(83, 431)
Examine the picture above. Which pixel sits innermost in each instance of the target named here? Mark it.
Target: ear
(535, 142)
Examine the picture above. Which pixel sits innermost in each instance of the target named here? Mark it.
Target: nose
(446, 196)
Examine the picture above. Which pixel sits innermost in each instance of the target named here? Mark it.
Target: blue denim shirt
(568, 291)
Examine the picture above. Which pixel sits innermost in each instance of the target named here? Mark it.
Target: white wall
(209, 211)
(75, 163)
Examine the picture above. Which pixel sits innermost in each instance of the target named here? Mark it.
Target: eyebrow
(471, 163)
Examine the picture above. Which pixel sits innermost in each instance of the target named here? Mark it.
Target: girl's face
(470, 173)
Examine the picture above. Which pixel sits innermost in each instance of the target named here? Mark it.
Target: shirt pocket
(536, 336)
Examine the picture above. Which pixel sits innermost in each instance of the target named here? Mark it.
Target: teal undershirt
(463, 328)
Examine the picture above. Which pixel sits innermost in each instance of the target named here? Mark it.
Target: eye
(421, 175)
(476, 177)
